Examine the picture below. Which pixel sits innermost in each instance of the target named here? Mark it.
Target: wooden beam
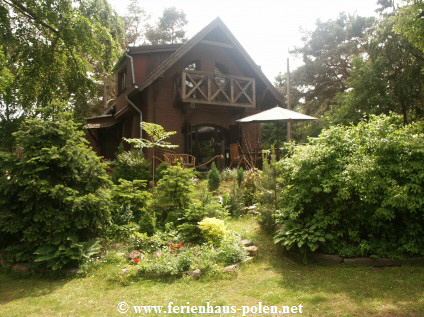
(220, 44)
(219, 103)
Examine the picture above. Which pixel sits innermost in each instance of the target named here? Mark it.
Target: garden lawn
(271, 279)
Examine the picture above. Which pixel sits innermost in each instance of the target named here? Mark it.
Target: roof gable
(214, 31)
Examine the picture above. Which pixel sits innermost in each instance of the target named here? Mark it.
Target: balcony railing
(217, 89)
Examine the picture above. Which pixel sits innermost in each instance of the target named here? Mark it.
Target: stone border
(328, 259)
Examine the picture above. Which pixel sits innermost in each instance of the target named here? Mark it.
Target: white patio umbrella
(276, 114)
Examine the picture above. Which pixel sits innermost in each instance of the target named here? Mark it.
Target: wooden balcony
(217, 89)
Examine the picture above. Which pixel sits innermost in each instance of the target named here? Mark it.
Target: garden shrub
(57, 191)
(356, 191)
(158, 241)
(240, 175)
(249, 186)
(172, 195)
(266, 194)
(228, 174)
(196, 212)
(202, 204)
(129, 207)
(230, 250)
(131, 165)
(233, 201)
(213, 230)
(160, 171)
(214, 178)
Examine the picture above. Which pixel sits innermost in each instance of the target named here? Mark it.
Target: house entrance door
(208, 141)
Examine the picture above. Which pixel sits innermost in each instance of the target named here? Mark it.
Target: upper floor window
(194, 65)
(219, 71)
(122, 81)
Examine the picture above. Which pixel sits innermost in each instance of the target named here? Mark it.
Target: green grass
(271, 279)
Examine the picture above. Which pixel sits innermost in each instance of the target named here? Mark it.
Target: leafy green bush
(356, 191)
(230, 250)
(196, 212)
(175, 262)
(213, 230)
(214, 178)
(71, 252)
(131, 165)
(159, 240)
(57, 190)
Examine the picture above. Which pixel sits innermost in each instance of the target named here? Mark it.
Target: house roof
(153, 48)
(186, 47)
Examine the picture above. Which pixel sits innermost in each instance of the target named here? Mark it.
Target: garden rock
(247, 259)
(195, 274)
(20, 268)
(124, 271)
(230, 268)
(252, 250)
(121, 254)
(117, 246)
(327, 259)
(135, 254)
(246, 243)
(71, 271)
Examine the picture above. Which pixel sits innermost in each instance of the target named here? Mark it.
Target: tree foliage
(61, 50)
(327, 55)
(356, 191)
(157, 135)
(56, 193)
(391, 78)
(410, 23)
(169, 29)
(356, 66)
(136, 23)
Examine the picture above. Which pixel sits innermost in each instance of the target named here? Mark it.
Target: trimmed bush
(356, 191)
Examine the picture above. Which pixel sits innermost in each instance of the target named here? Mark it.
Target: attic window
(220, 69)
(194, 65)
(122, 81)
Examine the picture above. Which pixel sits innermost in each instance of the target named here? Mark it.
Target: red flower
(179, 246)
(136, 260)
(172, 246)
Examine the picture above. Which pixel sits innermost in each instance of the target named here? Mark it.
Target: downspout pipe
(136, 109)
(132, 68)
(134, 88)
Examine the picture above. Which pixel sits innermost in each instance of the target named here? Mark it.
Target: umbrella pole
(289, 134)
(277, 151)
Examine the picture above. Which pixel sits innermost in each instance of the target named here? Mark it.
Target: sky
(266, 29)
